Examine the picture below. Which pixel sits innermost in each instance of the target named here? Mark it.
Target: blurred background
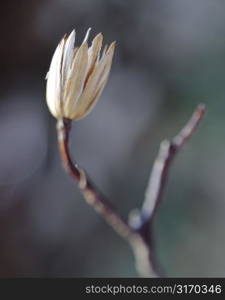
(170, 56)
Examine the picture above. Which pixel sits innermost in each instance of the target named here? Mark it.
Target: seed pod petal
(53, 91)
(76, 79)
(95, 84)
(93, 51)
(68, 55)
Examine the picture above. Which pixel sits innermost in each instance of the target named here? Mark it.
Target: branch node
(159, 173)
(83, 178)
(134, 219)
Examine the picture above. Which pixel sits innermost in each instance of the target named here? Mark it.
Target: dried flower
(77, 76)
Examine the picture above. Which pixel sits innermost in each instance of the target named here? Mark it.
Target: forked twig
(138, 237)
(167, 151)
(99, 202)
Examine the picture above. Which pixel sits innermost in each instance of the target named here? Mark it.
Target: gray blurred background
(170, 56)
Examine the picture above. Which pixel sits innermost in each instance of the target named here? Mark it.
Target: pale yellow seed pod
(77, 76)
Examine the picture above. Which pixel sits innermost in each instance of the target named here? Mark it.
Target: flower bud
(77, 76)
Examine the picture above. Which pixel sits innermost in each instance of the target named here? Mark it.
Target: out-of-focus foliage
(170, 56)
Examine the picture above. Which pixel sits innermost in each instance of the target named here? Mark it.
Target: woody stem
(99, 202)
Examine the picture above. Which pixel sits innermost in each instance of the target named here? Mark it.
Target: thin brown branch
(159, 174)
(139, 237)
(89, 191)
(95, 199)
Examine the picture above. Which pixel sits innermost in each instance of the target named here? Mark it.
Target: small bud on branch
(77, 76)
